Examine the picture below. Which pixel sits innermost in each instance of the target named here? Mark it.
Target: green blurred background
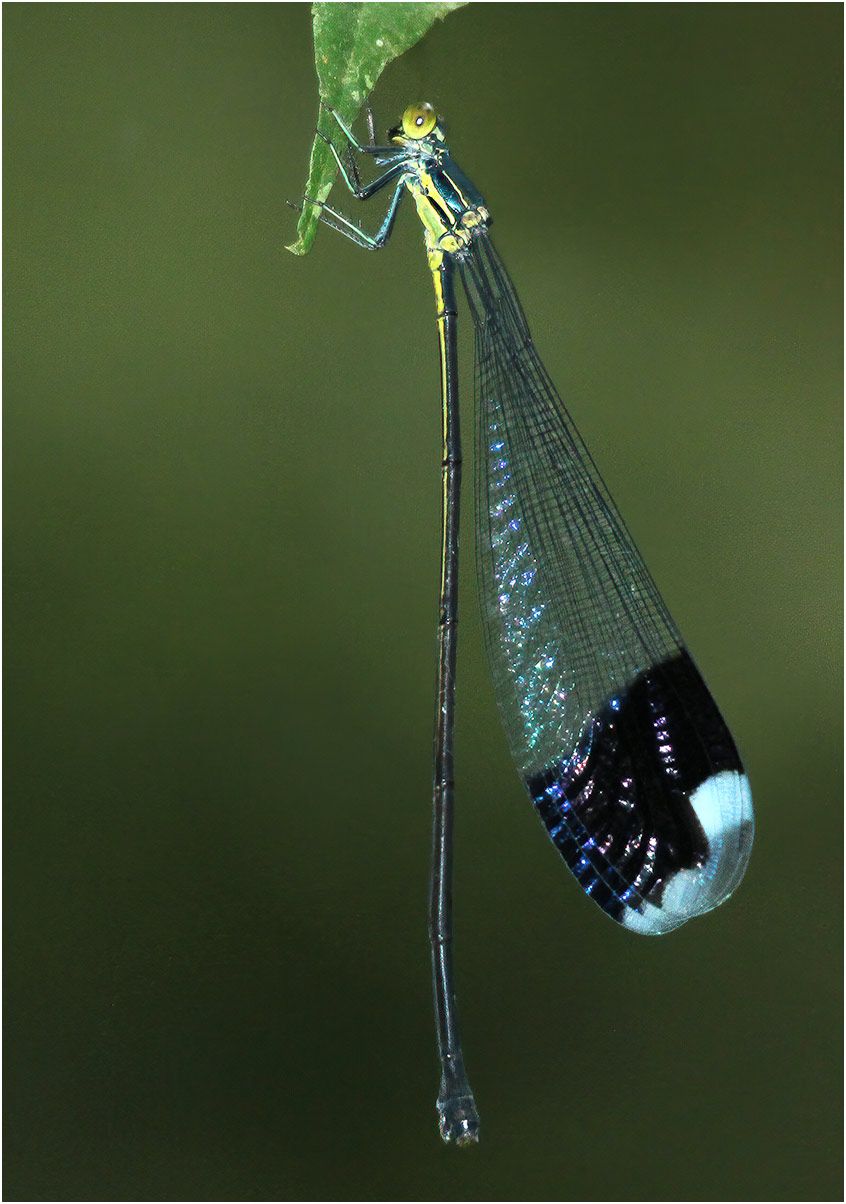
(222, 501)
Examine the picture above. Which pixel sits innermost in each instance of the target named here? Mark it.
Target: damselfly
(623, 751)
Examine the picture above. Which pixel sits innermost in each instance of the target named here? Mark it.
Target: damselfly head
(418, 121)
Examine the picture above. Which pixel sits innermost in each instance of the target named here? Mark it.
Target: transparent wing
(624, 753)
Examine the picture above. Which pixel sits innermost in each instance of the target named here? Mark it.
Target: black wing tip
(652, 812)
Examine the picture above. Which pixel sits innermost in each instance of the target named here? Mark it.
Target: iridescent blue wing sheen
(622, 749)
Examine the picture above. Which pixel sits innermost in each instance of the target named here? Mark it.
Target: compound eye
(419, 120)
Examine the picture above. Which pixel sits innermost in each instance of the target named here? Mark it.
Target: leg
(368, 190)
(352, 167)
(368, 112)
(372, 149)
(342, 224)
(371, 138)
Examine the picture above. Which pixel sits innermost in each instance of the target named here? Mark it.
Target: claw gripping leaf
(353, 43)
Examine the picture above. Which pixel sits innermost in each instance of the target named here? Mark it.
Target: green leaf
(353, 43)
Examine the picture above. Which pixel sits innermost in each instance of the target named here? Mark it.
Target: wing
(623, 751)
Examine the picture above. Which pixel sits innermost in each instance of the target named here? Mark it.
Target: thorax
(448, 204)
